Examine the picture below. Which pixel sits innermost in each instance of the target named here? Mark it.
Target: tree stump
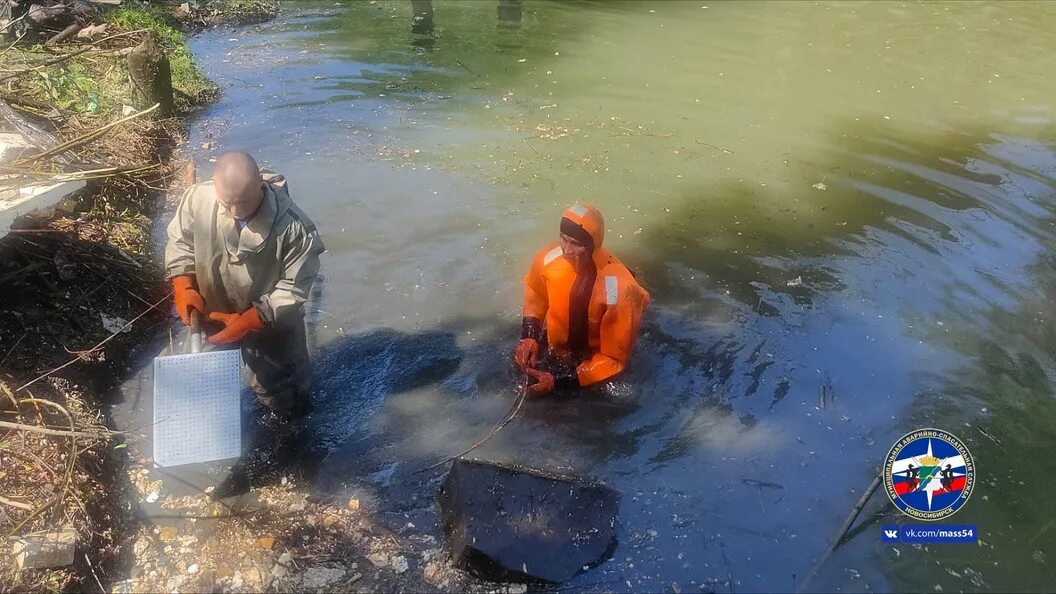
(148, 67)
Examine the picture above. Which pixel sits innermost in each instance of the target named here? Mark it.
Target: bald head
(239, 186)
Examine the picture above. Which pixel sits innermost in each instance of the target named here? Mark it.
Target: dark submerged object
(512, 523)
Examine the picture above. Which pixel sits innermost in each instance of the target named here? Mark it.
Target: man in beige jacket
(241, 252)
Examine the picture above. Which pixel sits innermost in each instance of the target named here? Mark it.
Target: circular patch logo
(929, 474)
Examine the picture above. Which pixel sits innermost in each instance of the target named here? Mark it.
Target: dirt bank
(79, 295)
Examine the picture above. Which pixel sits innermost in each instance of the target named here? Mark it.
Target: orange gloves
(527, 353)
(544, 382)
(236, 326)
(186, 297)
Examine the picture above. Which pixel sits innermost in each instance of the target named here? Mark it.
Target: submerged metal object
(506, 522)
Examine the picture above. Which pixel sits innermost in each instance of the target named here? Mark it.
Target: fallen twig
(15, 504)
(7, 391)
(760, 484)
(857, 509)
(12, 22)
(101, 343)
(716, 147)
(989, 436)
(63, 35)
(33, 231)
(36, 512)
(82, 139)
(50, 431)
(726, 565)
(28, 453)
(826, 393)
(459, 62)
(55, 405)
(13, 43)
(30, 175)
(530, 144)
(65, 57)
(14, 346)
(71, 459)
(91, 567)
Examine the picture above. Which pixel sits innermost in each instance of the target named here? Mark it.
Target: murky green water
(860, 192)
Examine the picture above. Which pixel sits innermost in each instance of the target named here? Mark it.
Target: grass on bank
(241, 12)
(188, 81)
(96, 83)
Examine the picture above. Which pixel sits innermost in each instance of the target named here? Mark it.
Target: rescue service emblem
(929, 474)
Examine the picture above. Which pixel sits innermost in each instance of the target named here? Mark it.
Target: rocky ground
(284, 541)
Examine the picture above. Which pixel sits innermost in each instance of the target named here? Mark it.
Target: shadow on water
(356, 376)
(353, 377)
(389, 403)
(395, 403)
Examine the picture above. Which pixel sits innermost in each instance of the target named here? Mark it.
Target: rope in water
(514, 410)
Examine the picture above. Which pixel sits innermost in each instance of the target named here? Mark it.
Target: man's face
(241, 204)
(575, 252)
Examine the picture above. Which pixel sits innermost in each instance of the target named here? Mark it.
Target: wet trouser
(279, 369)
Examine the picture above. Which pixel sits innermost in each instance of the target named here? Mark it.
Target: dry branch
(82, 139)
(50, 431)
(65, 57)
(99, 344)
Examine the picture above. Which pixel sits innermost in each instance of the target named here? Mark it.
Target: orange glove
(236, 326)
(186, 297)
(544, 382)
(527, 353)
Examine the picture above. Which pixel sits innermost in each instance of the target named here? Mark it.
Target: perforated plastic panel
(196, 408)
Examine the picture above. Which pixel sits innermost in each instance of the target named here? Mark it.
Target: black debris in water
(509, 523)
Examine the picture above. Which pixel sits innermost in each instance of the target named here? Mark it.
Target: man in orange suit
(582, 305)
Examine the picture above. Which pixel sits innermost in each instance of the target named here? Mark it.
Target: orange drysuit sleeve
(536, 302)
(619, 330)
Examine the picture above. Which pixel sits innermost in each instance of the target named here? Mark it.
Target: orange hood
(588, 217)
